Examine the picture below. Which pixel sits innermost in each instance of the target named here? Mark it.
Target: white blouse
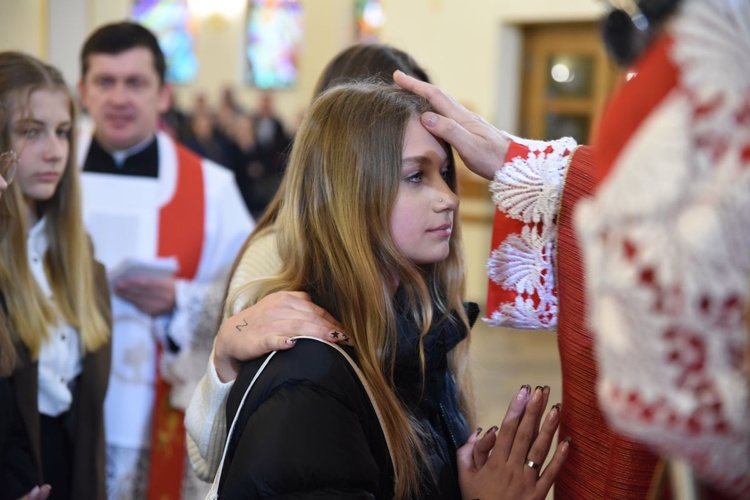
(60, 358)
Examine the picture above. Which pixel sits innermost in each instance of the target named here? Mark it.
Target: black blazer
(89, 480)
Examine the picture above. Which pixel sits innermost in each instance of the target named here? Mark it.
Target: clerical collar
(120, 156)
(141, 160)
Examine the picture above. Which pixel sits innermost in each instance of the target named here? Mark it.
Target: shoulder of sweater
(259, 260)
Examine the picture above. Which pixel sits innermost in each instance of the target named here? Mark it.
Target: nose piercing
(440, 200)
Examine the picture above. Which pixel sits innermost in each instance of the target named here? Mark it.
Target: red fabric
(504, 226)
(181, 231)
(601, 464)
(181, 221)
(634, 102)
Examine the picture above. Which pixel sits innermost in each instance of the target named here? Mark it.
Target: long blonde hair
(7, 350)
(68, 261)
(334, 239)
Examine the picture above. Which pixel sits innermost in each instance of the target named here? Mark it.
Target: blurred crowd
(252, 143)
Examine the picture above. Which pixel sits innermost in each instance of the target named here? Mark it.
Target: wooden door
(567, 77)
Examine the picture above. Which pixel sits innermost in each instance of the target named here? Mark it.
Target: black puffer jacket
(308, 429)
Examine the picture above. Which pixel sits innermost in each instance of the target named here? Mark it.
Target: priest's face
(124, 96)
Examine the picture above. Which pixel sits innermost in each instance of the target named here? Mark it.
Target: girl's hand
(508, 464)
(269, 325)
(38, 493)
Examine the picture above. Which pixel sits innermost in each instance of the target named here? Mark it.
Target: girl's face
(41, 138)
(422, 218)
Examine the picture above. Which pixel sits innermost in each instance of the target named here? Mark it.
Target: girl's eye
(446, 175)
(415, 177)
(29, 133)
(63, 133)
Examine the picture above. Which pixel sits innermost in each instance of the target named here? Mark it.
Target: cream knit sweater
(204, 417)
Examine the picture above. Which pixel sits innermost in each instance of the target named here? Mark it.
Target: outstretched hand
(269, 325)
(507, 464)
(481, 146)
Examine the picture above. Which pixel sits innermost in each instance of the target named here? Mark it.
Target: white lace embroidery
(667, 251)
(528, 189)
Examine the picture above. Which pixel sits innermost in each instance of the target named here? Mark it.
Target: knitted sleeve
(204, 418)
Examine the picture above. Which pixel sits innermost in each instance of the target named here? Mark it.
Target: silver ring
(531, 463)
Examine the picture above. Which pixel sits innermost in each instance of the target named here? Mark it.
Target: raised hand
(481, 146)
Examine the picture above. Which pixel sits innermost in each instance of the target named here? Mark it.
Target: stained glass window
(274, 42)
(370, 19)
(170, 21)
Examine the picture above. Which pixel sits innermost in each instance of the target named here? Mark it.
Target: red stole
(181, 228)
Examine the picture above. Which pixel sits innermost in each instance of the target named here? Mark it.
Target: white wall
(23, 26)
(466, 45)
(469, 47)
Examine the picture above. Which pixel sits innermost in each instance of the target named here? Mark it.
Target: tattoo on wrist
(240, 327)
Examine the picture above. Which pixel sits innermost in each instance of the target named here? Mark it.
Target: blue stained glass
(170, 21)
(274, 42)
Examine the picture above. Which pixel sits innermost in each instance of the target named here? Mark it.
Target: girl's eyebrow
(420, 160)
(32, 121)
(415, 160)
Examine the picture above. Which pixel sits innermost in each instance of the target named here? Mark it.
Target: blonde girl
(369, 229)
(56, 295)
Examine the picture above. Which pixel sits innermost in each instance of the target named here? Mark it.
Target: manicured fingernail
(523, 392)
(564, 446)
(546, 389)
(492, 430)
(568, 439)
(429, 119)
(554, 412)
(291, 341)
(537, 395)
(479, 430)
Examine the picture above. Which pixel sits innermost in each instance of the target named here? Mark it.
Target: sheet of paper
(121, 215)
(152, 268)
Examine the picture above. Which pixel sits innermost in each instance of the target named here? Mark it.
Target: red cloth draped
(601, 463)
(181, 228)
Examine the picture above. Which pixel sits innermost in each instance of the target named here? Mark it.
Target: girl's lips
(48, 176)
(445, 230)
